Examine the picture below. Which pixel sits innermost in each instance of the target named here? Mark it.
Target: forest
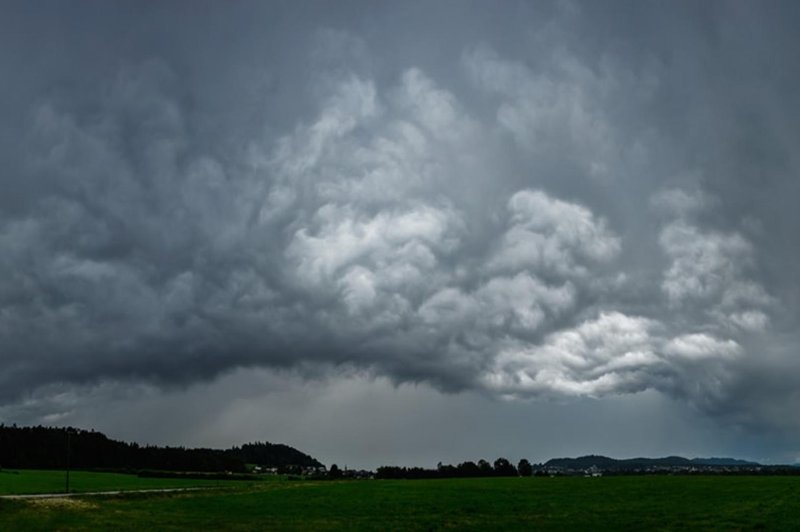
(56, 448)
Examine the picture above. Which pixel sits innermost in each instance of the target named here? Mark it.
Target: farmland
(43, 481)
(660, 502)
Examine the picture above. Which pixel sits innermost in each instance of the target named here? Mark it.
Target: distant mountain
(583, 462)
(606, 463)
(723, 462)
(46, 448)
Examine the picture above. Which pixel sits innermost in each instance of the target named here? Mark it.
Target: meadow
(644, 502)
(13, 482)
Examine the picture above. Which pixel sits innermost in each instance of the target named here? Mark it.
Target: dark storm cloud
(573, 199)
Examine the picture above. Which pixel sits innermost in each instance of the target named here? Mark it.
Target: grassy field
(30, 481)
(661, 503)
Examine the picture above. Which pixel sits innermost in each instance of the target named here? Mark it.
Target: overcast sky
(404, 232)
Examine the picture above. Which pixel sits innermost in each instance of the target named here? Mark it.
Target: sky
(404, 232)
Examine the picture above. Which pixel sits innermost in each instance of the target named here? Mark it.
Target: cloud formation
(508, 225)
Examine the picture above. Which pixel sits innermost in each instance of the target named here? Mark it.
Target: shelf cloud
(584, 208)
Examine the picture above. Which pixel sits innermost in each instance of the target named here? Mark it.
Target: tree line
(56, 448)
(501, 468)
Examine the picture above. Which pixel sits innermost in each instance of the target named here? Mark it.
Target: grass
(660, 503)
(39, 481)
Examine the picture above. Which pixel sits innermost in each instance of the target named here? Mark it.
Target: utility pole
(67, 486)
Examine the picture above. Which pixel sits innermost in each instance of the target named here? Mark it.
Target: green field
(36, 481)
(656, 502)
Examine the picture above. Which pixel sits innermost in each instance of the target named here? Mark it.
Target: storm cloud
(552, 201)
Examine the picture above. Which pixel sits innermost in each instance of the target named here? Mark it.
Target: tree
(468, 469)
(485, 468)
(504, 468)
(334, 472)
(525, 468)
(446, 470)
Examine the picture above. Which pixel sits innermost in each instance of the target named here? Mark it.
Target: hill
(724, 462)
(613, 464)
(46, 448)
(273, 455)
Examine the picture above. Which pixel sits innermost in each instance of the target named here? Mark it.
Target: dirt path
(115, 492)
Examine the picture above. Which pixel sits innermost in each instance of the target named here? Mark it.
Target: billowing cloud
(547, 234)
(561, 107)
(613, 353)
(532, 219)
(709, 268)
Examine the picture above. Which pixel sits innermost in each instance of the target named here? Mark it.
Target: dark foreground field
(41, 481)
(480, 504)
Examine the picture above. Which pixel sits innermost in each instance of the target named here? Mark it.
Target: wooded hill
(612, 464)
(46, 448)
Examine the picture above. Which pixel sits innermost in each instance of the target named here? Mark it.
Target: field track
(92, 493)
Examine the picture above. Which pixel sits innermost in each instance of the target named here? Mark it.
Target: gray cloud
(548, 213)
